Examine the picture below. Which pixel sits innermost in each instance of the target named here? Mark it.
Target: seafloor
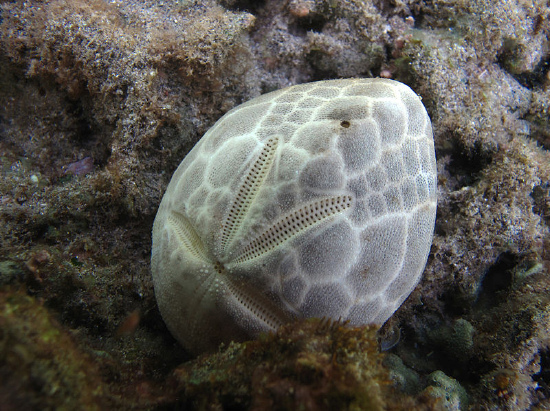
(100, 101)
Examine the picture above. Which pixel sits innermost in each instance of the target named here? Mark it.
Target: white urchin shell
(317, 200)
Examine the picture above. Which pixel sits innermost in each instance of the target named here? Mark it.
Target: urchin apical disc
(317, 200)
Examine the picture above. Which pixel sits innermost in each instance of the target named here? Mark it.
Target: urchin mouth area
(247, 305)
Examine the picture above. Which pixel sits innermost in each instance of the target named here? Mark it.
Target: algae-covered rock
(41, 367)
(406, 379)
(456, 339)
(10, 273)
(310, 365)
(448, 390)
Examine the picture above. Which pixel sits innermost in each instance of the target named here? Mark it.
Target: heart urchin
(317, 200)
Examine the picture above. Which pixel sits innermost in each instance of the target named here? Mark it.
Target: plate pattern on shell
(317, 200)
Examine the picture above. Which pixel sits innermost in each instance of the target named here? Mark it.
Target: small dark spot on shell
(345, 123)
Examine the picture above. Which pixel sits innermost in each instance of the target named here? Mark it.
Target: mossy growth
(312, 364)
(456, 339)
(402, 376)
(449, 390)
(40, 364)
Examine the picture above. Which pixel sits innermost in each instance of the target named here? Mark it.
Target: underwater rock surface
(120, 91)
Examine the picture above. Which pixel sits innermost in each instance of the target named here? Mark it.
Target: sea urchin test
(317, 200)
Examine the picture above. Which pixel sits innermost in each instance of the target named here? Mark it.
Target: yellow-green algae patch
(307, 365)
(41, 367)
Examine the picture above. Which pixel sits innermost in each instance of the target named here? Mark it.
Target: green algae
(41, 367)
(449, 390)
(309, 365)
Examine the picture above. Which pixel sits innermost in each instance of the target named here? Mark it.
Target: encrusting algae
(313, 364)
(41, 367)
